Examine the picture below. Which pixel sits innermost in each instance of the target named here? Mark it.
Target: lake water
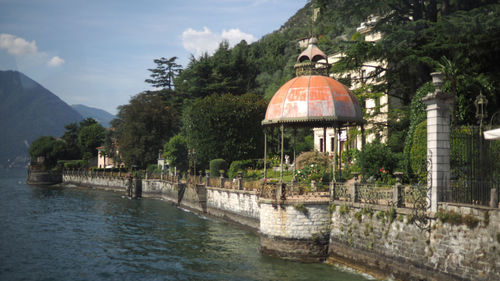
(61, 233)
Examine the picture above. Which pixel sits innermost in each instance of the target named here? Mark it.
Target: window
(321, 145)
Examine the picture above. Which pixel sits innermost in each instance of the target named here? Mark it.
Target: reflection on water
(55, 233)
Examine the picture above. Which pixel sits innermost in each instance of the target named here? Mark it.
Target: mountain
(101, 116)
(28, 111)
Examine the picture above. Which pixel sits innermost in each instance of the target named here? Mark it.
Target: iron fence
(475, 166)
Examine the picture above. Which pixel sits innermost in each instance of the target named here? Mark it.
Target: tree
(225, 126)
(175, 150)
(89, 138)
(70, 138)
(226, 71)
(163, 75)
(143, 126)
(50, 148)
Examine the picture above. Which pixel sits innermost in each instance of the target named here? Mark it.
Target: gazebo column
(324, 139)
(294, 150)
(265, 154)
(339, 152)
(282, 147)
(335, 154)
(363, 140)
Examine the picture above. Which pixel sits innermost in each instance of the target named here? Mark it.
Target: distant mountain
(28, 111)
(101, 116)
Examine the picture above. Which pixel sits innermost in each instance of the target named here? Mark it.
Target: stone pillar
(494, 198)
(221, 181)
(438, 143)
(240, 181)
(354, 192)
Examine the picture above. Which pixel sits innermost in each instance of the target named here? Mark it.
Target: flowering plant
(310, 172)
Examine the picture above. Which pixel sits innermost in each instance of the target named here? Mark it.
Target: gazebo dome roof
(313, 100)
(312, 53)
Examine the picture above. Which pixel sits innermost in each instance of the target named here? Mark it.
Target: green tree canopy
(143, 126)
(225, 126)
(50, 148)
(226, 71)
(163, 75)
(175, 150)
(89, 138)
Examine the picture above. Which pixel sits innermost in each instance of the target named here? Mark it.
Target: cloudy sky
(97, 52)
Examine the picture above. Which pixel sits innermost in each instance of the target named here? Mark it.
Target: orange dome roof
(313, 100)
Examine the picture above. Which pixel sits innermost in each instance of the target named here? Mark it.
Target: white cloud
(26, 51)
(205, 40)
(17, 45)
(55, 61)
(234, 36)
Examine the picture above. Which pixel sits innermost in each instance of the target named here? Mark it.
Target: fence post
(354, 192)
(332, 191)
(397, 196)
(494, 198)
(221, 181)
(240, 181)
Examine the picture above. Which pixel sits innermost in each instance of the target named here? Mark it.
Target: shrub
(417, 115)
(153, 169)
(380, 161)
(73, 164)
(216, 165)
(418, 152)
(239, 166)
(312, 157)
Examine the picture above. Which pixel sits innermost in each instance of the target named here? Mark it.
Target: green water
(56, 233)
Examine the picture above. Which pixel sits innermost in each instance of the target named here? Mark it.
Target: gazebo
(312, 99)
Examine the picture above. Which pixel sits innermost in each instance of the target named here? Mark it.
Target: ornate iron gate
(474, 164)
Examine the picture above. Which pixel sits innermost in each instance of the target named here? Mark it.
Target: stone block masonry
(463, 245)
(458, 242)
(295, 230)
(236, 205)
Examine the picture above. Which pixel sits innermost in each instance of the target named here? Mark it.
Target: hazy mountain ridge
(101, 116)
(28, 111)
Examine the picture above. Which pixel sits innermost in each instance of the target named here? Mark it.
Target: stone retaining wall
(295, 230)
(389, 241)
(236, 205)
(463, 245)
(101, 182)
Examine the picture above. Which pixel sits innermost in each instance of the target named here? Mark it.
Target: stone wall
(161, 189)
(102, 182)
(390, 242)
(295, 230)
(236, 205)
(43, 177)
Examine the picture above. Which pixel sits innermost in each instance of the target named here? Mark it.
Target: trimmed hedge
(216, 165)
(418, 152)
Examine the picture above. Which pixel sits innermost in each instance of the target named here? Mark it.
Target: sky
(97, 53)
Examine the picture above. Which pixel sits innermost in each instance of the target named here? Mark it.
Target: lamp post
(480, 103)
